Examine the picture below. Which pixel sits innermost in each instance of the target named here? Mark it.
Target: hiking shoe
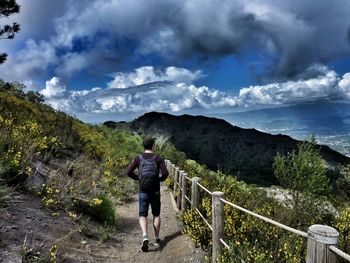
(157, 243)
(145, 243)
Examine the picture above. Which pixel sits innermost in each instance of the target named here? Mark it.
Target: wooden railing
(321, 239)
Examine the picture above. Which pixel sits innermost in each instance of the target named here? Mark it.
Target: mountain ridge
(246, 153)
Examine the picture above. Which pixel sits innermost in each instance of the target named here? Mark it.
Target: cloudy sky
(116, 59)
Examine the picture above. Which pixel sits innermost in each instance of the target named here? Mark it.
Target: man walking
(149, 165)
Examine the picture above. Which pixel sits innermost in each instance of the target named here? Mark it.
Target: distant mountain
(246, 153)
(328, 121)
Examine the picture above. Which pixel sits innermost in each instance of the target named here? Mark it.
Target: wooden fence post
(217, 224)
(195, 193)
(184, 192)
(320, 237)
(175, 180)
(168, 167)
(178, 195)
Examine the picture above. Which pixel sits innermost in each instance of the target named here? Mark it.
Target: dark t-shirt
(160, 165)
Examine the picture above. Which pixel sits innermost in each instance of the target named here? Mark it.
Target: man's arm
(163, 170)
(132, 167)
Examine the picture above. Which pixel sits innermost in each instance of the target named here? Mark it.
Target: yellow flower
(107, 173)
(49, 202)
(97, 201)
(29, 170)
(53, 253)
(72, 215)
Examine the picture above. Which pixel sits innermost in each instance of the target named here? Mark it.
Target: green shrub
(251, 239)
(12, 175)
(303, 174)
(100, 208)
(4, 195)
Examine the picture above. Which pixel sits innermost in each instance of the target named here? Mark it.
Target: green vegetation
(254, 240)
(250, 239)
(343, 184)
(92, 159)
(100, 208)
(38, 254)
(4, 196)
(303, 173)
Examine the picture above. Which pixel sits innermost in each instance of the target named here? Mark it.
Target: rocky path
(27, 220)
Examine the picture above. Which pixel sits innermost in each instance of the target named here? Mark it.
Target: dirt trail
(175, 246)
(27, 218)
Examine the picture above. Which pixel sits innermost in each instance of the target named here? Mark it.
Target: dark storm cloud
(292, 34)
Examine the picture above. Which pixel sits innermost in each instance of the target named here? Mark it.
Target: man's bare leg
(143, 225)
(156, 226)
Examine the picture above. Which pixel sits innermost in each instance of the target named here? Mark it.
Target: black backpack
(148, 174)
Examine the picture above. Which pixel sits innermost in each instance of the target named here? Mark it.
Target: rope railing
(204, 219)
(340, 253)
(268, 220)
(205, 189)
(321, 239)
(188, 199)
(224, 243)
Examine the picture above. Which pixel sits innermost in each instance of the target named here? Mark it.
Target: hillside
(246, 153)
(64, 193)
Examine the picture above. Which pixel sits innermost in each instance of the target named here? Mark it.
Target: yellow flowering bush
(51, 197)
(196, 229)
(96, 202)
(23, 142)
(249, 238)
(72, 215)
(90, 139)
(100, 208)
(343, 226)
(53, 253)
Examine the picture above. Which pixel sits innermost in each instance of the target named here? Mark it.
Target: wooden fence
(321, 239)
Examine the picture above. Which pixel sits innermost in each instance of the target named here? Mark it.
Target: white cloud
(148, 74)
(73, 63)
(344, 85)
(324, 86)
(54, 88)
(161, 91)
(30, 62)
(144, 89)
(31, 85)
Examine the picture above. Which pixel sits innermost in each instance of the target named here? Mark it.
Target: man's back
(160, 168)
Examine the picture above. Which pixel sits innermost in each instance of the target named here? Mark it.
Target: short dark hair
(148, 143)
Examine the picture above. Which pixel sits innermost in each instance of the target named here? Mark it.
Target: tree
(15, 88)
(7, 8)
(35, 97)
(303, 173)
(343, 182)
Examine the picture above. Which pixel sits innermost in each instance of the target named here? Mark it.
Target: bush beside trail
(59, 158)
(254, 240)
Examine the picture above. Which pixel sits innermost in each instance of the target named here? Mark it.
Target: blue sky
(99, 59)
